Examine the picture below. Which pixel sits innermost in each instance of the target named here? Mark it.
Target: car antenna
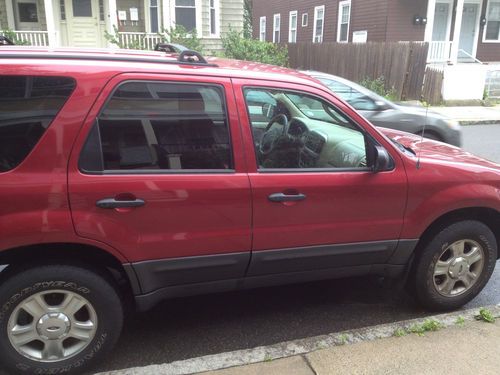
(423, 131)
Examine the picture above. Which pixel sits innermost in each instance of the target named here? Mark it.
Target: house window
(492, 32)
(305, 19)
(62, 11)
(276, 28)
(214, 6)
(101, 10)
(319, 21)
(82, 8)
(27, 12)
(185, 14)
(262, 29)
(343, 23)
(153, 14)
(292, 32)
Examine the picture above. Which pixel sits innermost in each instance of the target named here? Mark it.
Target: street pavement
(197, 326)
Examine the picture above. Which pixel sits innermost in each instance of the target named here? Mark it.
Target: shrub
(379, 86)
(13, 36)
(237, 47)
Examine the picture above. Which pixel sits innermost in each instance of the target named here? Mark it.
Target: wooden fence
(402, 64)
(433, 83)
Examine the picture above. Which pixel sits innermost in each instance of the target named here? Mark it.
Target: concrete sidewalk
(461, 345)
(471, 115)
(467, 348)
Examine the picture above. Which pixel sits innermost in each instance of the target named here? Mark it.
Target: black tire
(93, 287)
(423, 276)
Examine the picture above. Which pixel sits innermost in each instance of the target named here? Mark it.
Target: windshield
(316, 110)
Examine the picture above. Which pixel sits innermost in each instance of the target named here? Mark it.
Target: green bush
(237, 47)
(379, 86)
(13, 36)
(177, 34)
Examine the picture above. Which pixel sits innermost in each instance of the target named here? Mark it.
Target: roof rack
(170, 47)
(4, 41)
(186, 57)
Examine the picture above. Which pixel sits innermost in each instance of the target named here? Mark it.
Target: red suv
(133, 176)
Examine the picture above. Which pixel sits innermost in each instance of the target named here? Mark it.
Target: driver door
(317, 217)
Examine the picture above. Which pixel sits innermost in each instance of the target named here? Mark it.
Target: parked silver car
(384, 113)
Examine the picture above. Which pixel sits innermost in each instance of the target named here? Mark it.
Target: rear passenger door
(157, 173)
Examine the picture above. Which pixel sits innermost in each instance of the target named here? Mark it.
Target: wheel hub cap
(53, 326)
(458, 267)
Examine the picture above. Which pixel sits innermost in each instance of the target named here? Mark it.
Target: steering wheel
(268, 140)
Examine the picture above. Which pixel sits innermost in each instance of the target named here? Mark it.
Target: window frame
(305, 16)
(484, 40)
(339, 20)
(316, 12)
(293, 13)
(150, 18)
(198, 15)
(262, 28)
(277, 27)
(367, 136)
(109, 97)
(216, 9)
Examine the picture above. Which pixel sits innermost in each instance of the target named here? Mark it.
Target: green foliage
(13, 36)
(247, 19)
(177, 35)
(460, 321)
(343, 339)
(237, 47)
(379, 86)
(485, 315)
(427, 326)
(400, 332)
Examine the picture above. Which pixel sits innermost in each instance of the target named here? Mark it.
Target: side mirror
(382, 160)
(380, 105)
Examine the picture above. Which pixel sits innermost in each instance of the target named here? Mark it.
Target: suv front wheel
(455, 265)
(57, 318)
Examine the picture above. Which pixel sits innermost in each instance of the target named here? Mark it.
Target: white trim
(277, 27)
(484, 40)
(429, 28)
(339, 20)
(51, 25)
(262, 28)
(477, 26)
(293, 13)
(165, 15)
(216, 8)
(304, 24)
(112, 20)
(316, 10)
(431, 10)
(11, 21)
(456, 31)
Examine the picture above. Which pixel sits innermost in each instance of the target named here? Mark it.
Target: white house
(82, 23)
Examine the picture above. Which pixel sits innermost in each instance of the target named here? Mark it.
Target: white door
(440, 28)
(27, 15)
(468, 31)
(84, 29)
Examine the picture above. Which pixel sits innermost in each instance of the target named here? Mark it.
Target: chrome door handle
(113, 203)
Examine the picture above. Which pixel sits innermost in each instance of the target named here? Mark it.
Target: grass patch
(460, 321)
(429, 325)
(400, 332)
(343, 339)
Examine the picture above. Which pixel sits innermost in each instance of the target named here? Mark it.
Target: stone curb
(295, 347)
(478, 122)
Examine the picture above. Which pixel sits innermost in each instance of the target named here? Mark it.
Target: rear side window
(157, 126)
(28, 104)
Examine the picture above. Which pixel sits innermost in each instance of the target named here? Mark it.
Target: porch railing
(439, 52)
(139, 40)
(32, 38)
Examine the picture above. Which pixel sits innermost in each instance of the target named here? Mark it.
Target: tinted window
(161, 126)
(304, 132)
(27, 107)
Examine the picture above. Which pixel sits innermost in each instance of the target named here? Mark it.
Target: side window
(305, 132)
(160, 126)
(28, 104)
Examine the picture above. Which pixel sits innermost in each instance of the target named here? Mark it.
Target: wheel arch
(87, 256)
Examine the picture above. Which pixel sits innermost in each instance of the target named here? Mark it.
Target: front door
(468, 31)
(441, 26)
(316, 202)
(84, 28)
(158, 174)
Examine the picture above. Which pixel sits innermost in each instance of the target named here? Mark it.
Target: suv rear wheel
(455, 265)
(57, 318)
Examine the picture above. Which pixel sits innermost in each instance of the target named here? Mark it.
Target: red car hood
(433, 150)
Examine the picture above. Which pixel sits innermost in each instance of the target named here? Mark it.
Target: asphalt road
(191, 327)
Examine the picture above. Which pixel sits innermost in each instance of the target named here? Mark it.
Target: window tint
(27, 107)
(303, 132)
(161, 126)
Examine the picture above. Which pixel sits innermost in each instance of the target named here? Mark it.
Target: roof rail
(4, 41)
(185, 58)
(170, 47)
